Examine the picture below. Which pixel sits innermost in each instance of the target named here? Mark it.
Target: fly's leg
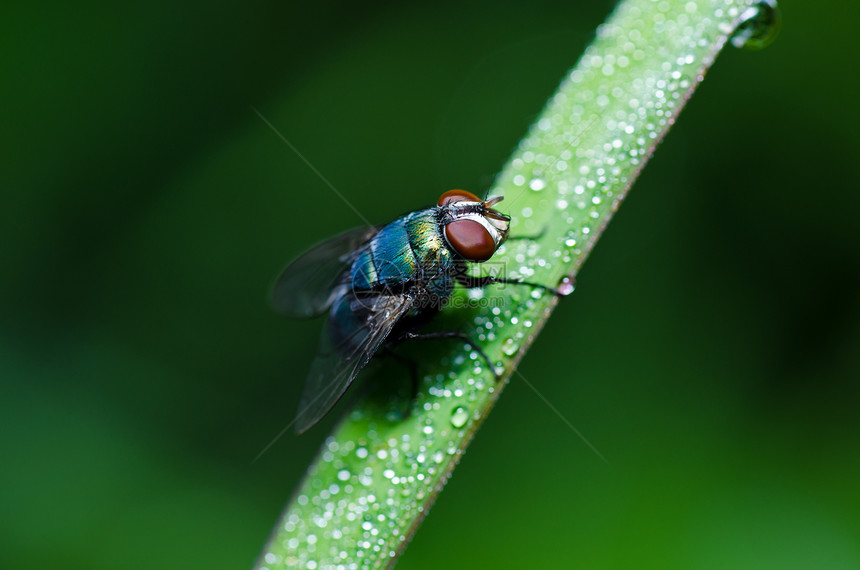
(410, 365)
(483, 281)
(534, 237)
(453, 334)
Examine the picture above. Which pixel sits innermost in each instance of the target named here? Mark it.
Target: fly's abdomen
(343, 324)
(393, 259)
(363, 272)
(410, 250)
(387, 261)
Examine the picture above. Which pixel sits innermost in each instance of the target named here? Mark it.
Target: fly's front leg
(533, 237)
(483, 281)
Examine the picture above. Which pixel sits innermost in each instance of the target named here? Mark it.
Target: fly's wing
(305, 288)
(356, 329)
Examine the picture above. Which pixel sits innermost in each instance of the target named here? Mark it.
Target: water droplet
(759, 26)
(565, 286)
(459, 417)
(510, 347)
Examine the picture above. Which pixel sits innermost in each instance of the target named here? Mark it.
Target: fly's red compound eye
(470, 239)
(457, 196)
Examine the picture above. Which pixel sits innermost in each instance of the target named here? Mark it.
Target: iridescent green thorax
(409, 251)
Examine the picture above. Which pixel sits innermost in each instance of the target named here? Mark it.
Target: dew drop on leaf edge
(565, 286)
(759, 26)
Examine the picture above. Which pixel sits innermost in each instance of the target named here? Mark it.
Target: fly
(380, 284)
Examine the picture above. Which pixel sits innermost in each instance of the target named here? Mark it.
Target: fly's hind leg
(411, 366)
(452, 334)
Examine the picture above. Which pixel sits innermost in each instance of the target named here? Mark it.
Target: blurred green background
(146, 209)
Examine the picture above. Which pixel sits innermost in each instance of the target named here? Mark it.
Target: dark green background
(146, 209)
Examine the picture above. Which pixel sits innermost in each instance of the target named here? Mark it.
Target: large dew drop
(565, 286)
(759, 26)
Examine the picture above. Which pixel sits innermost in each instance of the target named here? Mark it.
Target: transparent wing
(356, 329)
(305, 288)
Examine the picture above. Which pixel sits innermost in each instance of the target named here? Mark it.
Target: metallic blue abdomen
(406, 252)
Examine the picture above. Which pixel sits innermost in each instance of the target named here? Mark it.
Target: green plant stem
(378, 472)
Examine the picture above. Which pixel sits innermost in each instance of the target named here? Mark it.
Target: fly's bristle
(492, 201)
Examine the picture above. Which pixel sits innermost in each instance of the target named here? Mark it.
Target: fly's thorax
(427, 242)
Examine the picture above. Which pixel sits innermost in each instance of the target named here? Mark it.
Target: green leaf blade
(378, 473)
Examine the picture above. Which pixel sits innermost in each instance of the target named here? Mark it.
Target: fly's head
(472, 227)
